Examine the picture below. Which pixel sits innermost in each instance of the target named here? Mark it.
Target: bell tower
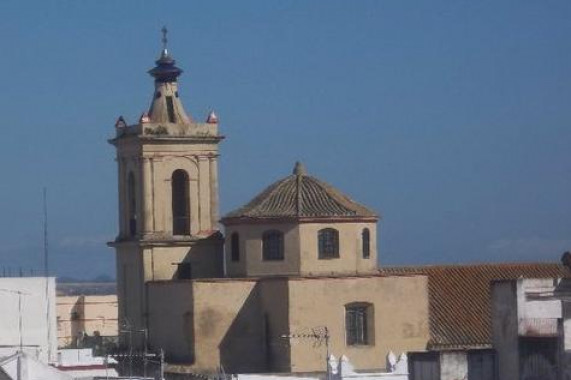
(168, 195)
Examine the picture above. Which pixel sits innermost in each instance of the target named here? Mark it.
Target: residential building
(531, 328)
(462, 342)
(78, 316)
(28, 322)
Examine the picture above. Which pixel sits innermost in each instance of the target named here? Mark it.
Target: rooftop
(460, 300)
(300, 195)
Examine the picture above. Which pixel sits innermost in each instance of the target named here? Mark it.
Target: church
(292, 275)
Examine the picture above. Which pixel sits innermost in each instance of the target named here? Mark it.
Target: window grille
(273, 245)
(328, 241)
(357, 319)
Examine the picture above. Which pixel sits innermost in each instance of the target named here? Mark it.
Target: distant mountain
(102, 278)
(86, 288)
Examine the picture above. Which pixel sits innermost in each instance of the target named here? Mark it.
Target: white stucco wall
(454, 365)
(38, 316)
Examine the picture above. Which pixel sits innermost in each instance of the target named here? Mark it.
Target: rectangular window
(170, 109)
(235, 247)
(366, 241)
(272, 245)
(357, 321)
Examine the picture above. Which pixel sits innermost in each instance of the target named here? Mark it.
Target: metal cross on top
(164, 39)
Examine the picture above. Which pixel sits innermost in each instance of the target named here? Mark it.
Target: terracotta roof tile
(459, 298)
(300, 195)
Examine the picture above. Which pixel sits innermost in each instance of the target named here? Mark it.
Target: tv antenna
(320, 336)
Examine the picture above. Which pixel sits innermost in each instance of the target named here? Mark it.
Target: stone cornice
(167, 241)
(165, 140)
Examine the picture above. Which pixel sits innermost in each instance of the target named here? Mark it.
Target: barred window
(235, 247)
(358, 324)
(366, 241)
(273, 245)
(328, 241)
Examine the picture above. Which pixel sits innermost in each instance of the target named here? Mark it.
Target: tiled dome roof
(301, 196)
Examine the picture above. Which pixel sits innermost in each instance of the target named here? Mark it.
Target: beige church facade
(295, 265)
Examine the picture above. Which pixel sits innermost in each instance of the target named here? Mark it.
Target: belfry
(168, 195)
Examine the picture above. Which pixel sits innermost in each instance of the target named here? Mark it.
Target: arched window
(328, 243)
(180, 203)
(359, 324)
(235, 247)
(273, 245)
(132, 204)
(366, 241)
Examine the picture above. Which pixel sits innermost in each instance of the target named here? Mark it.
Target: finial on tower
(165, 70)
(164, 40)
(299, 169)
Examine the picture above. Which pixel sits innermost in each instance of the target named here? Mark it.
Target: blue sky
(450, 118)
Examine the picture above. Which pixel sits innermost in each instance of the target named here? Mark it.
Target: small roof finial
(299, 169)
(164, 40)
(212, 118)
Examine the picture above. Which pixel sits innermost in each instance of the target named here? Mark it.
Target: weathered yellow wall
(400, 317)
(350, 260)
(210, 322)
(251, 263)
(301, 250)
(67, 329)
(153, 165)
(130, 286)
(205, 258)
(228, 326)
(241, 323)
(170, 319)
(94, 313)
(275, 306)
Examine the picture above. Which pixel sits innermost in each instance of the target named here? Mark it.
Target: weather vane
(164, 39)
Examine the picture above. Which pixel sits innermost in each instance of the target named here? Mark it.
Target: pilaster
(214, 192)
(147, 196)
(204, 193)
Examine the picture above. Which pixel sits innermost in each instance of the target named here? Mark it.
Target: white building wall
(36, 312)
(529, 308)
(454, 365)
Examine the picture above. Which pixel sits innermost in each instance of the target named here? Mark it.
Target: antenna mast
(46, 265)
(47, 272)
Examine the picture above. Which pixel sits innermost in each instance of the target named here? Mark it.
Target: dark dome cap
(165, 69)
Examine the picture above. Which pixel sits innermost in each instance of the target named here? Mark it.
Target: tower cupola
(166, 106)
(165, 69)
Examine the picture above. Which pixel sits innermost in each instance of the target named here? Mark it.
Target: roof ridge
(299, 184)
(300, 195)
(468, 265)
